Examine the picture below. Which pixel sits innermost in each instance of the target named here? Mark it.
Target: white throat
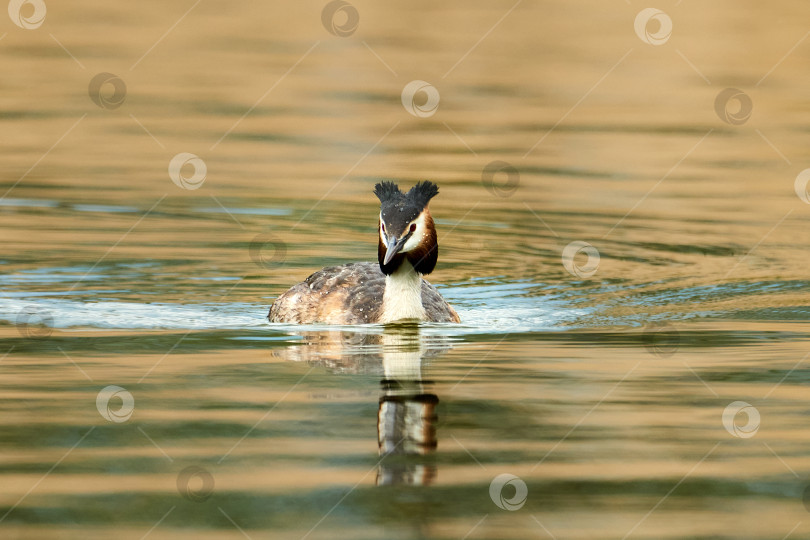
(402, 298)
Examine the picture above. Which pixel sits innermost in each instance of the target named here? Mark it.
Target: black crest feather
(422, 192)
(387, 191)
(419, 195)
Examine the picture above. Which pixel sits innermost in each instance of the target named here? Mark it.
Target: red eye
(413, 227)
(383, 227)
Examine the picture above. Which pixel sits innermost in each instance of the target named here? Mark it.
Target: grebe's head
(406, 228)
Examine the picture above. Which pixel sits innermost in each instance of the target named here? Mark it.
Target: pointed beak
(392, 247)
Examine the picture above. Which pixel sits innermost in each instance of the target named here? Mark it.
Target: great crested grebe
(392, 290)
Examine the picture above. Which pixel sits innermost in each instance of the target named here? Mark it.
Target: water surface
(659, 391)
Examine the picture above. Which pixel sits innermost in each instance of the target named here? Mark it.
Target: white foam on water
(481, 309)
(62, 313)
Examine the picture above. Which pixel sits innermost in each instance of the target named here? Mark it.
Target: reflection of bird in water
(363, 351)
(392, 290)
(406, 423)
(406, 415)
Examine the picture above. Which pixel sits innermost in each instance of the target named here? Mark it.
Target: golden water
(602, 386)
